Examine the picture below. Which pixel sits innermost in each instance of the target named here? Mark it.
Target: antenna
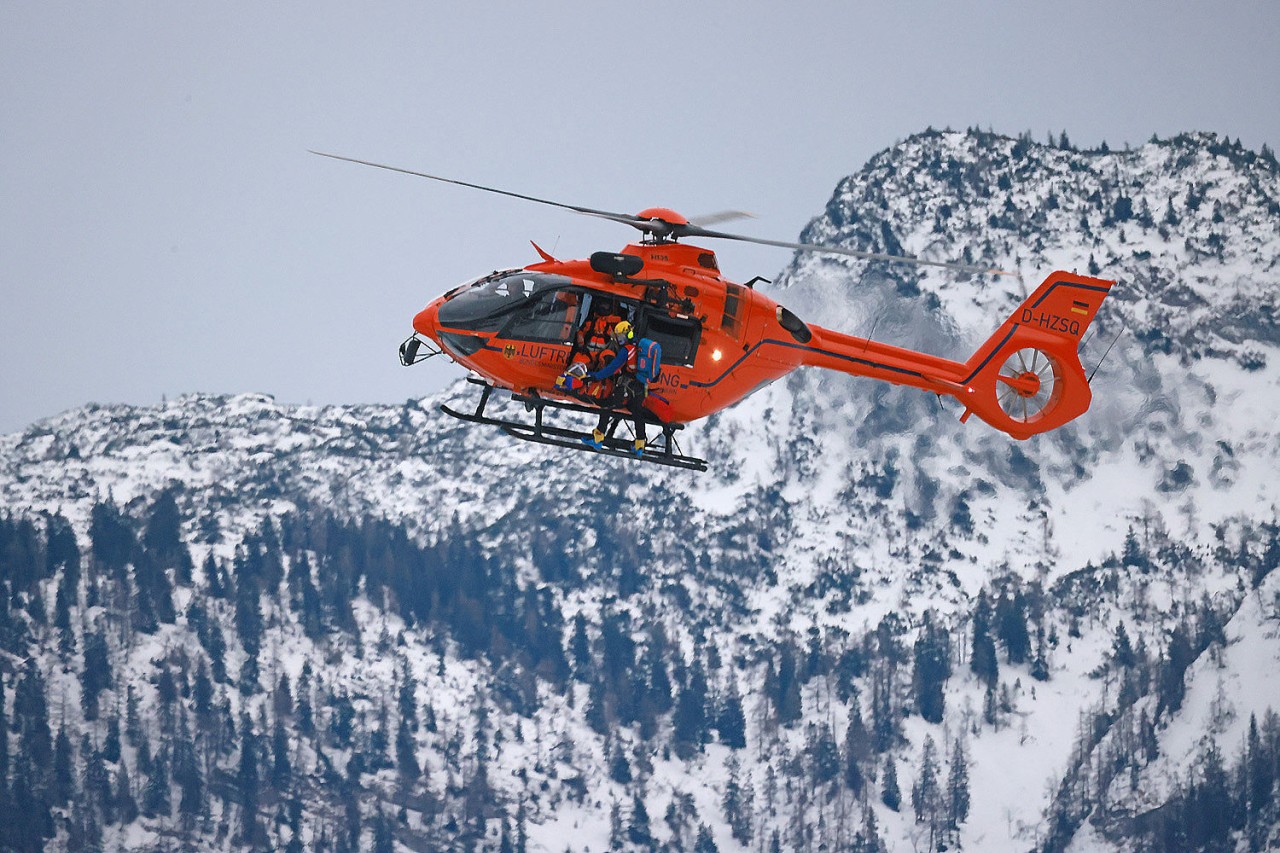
(1123, 328)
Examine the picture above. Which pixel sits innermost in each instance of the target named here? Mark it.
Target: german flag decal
(1078, 307)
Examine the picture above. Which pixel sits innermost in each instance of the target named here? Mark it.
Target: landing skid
(662, 451)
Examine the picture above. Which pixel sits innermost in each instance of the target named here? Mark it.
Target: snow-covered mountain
(1067, 643)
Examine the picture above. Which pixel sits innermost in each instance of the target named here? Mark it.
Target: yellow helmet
(624, 331)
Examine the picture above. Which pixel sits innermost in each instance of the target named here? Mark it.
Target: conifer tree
(638, 830)
(1040, 657)
(306, 716)
(380, 742)
(982, 652)
(857, 750)
(690, 720)
(406, 757)
(97, 783)
(1121, 649)
(619, 763)
(213, 577)
(215, 645)
(62, 621)
(111, 743)
(132, 719)
(889, 793)
(1259, 767)
(31, 718)
(1132, 553)
(706, 842)
(202, 694)
(885, 719)
(153, 602)
(63, 768)
(616, 833)
(925, 793)
(62, 552)
(155, 795)
(580, 648)
(383, 836)
(1171, 677)
(111, 540)
(30, 821)
(824, 753)
(731, 722)
(163, 531)
(310, 609)
(958, 787)
(932, 668)
(4, 742)
(247, 780)
(282, 697)
(1011, 622)
(186, 772)
(122, 803)
(281, 768)
(871, 841)
(407, 704)
(658, 685)
(787, 697)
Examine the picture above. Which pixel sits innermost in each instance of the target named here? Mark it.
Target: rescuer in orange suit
(595, 338)
(593, 349)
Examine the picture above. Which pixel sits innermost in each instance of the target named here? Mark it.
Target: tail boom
(1024, 380)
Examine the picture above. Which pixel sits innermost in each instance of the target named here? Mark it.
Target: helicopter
(517, 331)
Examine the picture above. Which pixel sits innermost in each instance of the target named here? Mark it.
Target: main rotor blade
(625, 218)
(695, 231)
(662, 230)
(719, 216)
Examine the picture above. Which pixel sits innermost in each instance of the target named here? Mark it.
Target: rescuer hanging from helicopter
(636, 364)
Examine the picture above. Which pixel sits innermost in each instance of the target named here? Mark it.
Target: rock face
(359, 626)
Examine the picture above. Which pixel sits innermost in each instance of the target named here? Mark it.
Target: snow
(794, 461)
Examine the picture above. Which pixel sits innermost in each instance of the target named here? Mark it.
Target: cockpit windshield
(487, 304)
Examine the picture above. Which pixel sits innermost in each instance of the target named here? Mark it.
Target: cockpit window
(549, 316)
(486, 305)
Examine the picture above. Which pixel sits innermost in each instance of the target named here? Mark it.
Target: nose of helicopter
(426, 321)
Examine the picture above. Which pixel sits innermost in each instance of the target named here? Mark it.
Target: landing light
(715, 355)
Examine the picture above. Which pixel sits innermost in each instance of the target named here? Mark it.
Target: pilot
(629, 392)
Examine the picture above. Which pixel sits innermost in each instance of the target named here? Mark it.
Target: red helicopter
(519, 330)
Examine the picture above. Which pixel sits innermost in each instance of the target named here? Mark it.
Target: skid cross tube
(663, 453)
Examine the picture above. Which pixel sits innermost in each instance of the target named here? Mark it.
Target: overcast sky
(164, 230)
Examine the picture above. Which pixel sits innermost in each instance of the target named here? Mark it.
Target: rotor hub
(663, 214)
(1026, 384)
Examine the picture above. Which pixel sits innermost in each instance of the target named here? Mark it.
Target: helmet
(623, 331)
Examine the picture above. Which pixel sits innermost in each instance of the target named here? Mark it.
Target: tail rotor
(1029, 385)
(1027, 378)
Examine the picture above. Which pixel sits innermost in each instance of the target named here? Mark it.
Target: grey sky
(163, 230)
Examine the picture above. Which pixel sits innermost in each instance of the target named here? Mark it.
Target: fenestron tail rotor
(676, 227)
(1028, 384)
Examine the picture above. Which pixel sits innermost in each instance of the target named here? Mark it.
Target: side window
(549, 317)
(678, 336)
(732, 309)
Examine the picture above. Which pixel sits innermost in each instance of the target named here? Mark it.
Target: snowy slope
(832, 502)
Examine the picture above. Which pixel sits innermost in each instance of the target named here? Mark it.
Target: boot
(596, 442)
